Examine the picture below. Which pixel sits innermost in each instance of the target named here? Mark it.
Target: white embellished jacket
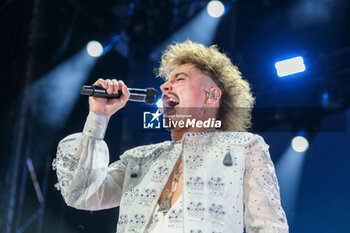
(216, 197)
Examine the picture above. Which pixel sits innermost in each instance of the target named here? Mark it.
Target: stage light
(289, 171)
(58, 90)
(325, 99)
(215, 9)
(159, 103)
(300, 144)
(290, 66)
(94, 48)
(201, 29)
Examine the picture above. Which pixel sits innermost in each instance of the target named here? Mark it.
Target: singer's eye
(180, 79)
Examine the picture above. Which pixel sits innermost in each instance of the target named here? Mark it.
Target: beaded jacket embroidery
(216, 197)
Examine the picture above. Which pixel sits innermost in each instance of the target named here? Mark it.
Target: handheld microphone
(148, 96)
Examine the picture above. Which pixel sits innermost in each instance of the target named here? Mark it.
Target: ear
(213, 95)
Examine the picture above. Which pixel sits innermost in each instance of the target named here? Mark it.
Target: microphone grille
(152, 96)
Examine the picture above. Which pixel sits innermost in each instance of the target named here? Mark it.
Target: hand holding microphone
(104, 91)
(109, 106)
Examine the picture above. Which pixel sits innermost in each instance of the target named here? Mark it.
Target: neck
(177, 135)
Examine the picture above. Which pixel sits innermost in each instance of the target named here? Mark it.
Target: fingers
(111, 86)
(126, 94)
(102, 83)
(116, 86)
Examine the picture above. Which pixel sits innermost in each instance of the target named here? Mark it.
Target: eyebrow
(177, 75)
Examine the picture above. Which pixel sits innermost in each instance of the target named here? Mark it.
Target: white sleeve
(85, 179)
(263, 212)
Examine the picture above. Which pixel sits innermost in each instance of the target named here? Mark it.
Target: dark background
(39, 109)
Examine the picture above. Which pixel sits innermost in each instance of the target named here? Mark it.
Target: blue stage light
(94, 48)
(201, 29)
(61, 83)
(289, 170)
(325, 99)
(300, 144)
(215, 9)
(290, 66)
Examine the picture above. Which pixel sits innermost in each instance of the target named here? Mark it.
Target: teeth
(167, 102)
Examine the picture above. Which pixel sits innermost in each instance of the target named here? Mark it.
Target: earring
(212, 94)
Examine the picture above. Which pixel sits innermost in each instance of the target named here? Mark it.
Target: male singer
(203, 180)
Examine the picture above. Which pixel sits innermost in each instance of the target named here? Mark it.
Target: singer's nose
(166, 87)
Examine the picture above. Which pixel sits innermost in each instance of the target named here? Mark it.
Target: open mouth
(169, 103)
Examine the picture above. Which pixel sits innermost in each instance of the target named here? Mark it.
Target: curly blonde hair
(236, 101)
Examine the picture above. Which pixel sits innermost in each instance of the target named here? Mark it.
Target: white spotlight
(215, 9)
(94, 48)
(290, 66)
(159, 103)
(300, 144)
